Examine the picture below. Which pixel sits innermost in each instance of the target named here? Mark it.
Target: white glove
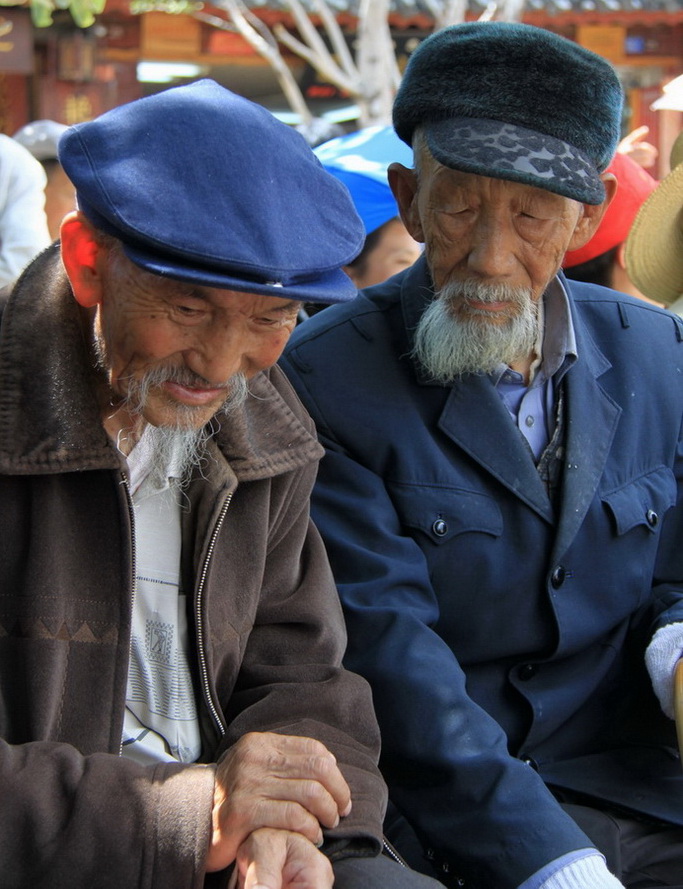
(661, 657)
(585, 873)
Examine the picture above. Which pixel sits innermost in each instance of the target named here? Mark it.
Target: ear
(621, 256)
(403, 183)
(592, 214)
(81, 255)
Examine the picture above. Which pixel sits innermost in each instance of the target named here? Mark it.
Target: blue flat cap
(512, 101)
(202, 185)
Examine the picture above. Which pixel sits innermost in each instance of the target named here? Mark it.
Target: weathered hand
(279, 859)
(277, 781)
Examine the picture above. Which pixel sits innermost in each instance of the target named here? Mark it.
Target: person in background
(654, 247)
(388, 249)
(23, 225)
(501, 493)
(360, 161)
(601, 260)
(172, 700)
(41, 137)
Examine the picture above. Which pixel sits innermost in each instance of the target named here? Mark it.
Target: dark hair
(597, 270)
(50, 165)
(359, 264)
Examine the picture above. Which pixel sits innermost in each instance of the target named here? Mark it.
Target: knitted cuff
(661, 657)
(586, 873)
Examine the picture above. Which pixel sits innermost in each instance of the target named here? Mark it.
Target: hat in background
(41, 137)
(360, 161)
(672, 96)
(634, 185)
(202, 185)
(514, 102)
(654, 247)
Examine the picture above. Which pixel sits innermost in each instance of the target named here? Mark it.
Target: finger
(271, 859)
(287, 815)
(634, 136)
(308, 758)
(313, 795)
(639, 133)
(259, 758)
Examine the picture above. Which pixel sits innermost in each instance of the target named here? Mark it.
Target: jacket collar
(475, 418)
(49, 417)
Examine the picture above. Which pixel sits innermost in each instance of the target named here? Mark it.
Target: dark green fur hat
(514, 102)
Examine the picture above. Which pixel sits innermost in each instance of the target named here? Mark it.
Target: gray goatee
(453, 337)
(180, 443)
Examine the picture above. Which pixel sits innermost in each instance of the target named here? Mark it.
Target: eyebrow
(291, 305)
(194, 291)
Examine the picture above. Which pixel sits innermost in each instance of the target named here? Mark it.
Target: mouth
(480, 306)
(193, 395)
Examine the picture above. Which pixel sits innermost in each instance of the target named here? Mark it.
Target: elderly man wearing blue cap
(172, 698)
(501, 492)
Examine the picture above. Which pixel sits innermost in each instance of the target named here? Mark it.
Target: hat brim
(669, 102)
(504, 151)
(332, 286)
(654, 247)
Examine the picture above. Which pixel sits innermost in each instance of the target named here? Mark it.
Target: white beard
(454, 338)
(138, 392)
(182, 441)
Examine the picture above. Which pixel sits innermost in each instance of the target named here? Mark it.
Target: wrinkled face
(192, 340)
(489, 231)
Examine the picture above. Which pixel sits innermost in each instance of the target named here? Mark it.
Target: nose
(218, 354)
(492, 248)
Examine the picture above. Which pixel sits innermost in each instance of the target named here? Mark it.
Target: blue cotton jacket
(504, 640)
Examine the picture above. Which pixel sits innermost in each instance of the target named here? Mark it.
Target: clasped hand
(288, 785)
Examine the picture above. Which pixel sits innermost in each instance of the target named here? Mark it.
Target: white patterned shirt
(160, 722)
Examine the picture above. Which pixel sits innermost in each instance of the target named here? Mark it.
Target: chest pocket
(441, 513)
(643, 501)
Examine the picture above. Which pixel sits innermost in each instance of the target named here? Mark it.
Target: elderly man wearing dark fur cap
(172, 700)
(501, 491)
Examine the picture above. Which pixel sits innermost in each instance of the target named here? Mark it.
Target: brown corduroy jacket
(266, 626)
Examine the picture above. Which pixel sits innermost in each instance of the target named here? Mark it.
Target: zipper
(134, 573)
(389, 850)
(203, 670)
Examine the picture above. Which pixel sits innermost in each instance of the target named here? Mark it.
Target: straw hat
(654, 247)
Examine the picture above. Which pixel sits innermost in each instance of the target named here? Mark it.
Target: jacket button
(558, 576)
(530, 761)
(440, 528)
(652, 518)
(527, 671)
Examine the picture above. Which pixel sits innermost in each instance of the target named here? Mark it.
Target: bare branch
(271, 53)
(337, 39)
(372, 57)
(512, 10)
(455, 12)
(326, 67)
(447, 12)
(309, 33)
(489, 13)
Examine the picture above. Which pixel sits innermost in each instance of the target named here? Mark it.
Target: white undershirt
(160, 722)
